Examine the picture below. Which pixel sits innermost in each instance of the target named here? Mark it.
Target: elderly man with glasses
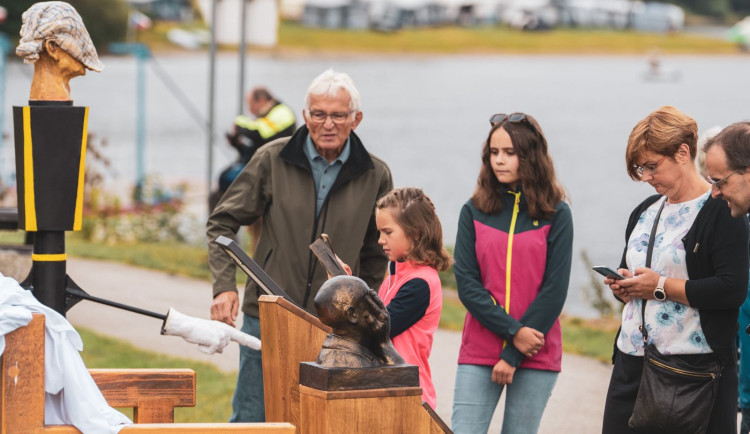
(727, 162)
(321, 180)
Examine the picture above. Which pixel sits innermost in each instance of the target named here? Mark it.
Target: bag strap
(649, 251)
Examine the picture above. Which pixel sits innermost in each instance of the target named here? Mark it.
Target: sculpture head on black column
(55, 40)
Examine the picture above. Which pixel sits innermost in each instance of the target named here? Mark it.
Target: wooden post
(22, 384)
(290, 335)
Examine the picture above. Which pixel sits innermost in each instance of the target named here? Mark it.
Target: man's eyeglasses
(515, 118)
(337, 117)
(648, 167)
(722, 181)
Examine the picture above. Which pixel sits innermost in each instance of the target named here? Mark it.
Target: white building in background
(261, 26)
(524, 14)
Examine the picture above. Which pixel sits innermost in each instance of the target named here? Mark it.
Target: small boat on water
(661, 75)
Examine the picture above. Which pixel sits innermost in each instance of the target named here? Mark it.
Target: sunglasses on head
(499, 118)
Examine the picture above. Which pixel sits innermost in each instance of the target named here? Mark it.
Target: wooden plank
(22, 383)
(154, 410)
(290, 335)
(437, 426)
(127, 387)
(187, 428)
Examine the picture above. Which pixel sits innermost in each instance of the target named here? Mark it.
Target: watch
(659, 292)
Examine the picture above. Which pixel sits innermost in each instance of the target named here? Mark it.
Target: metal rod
(243, 49)
(85, 296)
(140, 122)
(211, 90)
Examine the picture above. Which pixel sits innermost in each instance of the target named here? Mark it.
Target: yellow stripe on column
(28, 173)
(78, 217)
(41, 257)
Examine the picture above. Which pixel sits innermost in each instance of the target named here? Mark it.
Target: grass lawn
(293, 38)
(496, 39)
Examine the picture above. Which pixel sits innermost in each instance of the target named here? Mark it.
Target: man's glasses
(499, 118)
(648, 167)
(337, 117)
(722, 181)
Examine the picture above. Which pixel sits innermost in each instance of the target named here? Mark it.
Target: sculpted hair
(735, 140)
(661, 132)
(415, 213)
(329, 83)
(536, 171)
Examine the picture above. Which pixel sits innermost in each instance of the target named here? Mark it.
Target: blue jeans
(744, 369)
(247, 403)
(475, 397)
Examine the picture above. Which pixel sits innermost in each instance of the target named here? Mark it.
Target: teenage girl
(412, 238)
(513, 253)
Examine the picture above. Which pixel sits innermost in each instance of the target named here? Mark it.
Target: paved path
(575, 407)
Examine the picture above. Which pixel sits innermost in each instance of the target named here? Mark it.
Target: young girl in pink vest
(412, 238)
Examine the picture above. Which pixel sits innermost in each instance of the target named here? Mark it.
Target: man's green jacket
(277, 184)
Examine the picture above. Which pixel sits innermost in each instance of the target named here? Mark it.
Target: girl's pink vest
(415, 343)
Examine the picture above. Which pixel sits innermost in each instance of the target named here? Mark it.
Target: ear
(52, 49)
(357, 119)
(306, 117)
(352, 315)
(683, 153)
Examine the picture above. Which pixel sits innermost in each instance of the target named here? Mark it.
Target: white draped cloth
(71, 395)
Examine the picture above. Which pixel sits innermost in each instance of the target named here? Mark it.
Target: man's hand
(225, 307)
(528, 341)
(502, 373)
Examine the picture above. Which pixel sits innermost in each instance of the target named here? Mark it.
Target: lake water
(427, 117)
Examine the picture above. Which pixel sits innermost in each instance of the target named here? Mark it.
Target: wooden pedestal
(392, 410)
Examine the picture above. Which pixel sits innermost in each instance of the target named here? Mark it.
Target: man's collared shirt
(324, 174)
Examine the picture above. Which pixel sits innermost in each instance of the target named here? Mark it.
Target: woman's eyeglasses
(722, 181)
(499, 118)
(647, 167)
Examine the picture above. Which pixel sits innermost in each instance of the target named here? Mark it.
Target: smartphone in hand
(608, 272)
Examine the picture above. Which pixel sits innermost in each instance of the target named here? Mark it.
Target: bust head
(342, 304)
(54, 38)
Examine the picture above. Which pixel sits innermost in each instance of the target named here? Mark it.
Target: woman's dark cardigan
(716, 256)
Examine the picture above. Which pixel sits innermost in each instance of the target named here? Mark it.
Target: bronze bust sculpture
(360, 324)
(54, 38)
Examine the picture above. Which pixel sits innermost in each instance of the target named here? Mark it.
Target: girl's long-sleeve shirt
(512, 271)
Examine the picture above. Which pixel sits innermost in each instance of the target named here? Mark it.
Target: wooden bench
(152, 393)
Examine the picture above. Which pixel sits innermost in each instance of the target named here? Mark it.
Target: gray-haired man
(322, 179)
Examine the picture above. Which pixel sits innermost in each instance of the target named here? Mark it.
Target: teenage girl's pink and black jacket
(512, 271)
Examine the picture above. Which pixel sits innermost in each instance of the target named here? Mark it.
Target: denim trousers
(475, 398)
(247, 403)
(744, 369)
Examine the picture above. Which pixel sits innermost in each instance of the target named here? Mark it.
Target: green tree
(714, 8)
(741, 6)
(105, 20)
